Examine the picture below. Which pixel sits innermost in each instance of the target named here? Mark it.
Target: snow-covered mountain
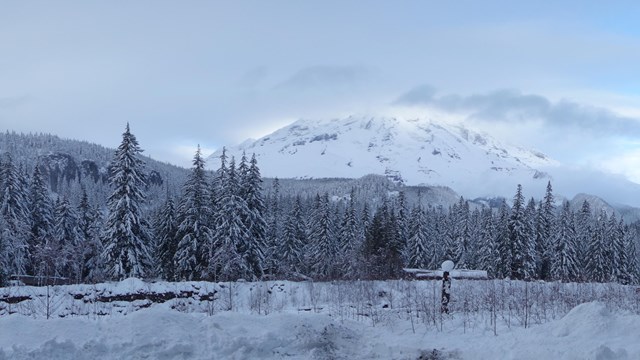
(414, 151)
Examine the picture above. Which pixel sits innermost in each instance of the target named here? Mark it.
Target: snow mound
(160, 333)
(592, 331)
(585, 319)
(132, 284)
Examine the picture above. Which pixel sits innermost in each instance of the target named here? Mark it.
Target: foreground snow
(589, 331)
(495, 319)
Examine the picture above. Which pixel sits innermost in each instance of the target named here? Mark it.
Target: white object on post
(447, 265)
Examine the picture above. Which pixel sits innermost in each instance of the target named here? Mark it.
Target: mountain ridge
(412, 151)
(422, 151)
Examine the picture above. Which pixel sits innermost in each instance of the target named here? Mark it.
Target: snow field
(341, 320)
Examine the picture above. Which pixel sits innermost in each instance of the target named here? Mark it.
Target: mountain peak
(413, 151)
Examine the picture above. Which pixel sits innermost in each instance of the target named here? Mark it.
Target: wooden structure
(458, 274)
(31, 280)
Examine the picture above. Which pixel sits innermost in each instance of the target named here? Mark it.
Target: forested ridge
(136, 218)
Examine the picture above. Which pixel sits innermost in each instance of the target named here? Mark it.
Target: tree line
(224, 226)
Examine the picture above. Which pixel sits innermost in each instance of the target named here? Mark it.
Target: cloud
(323, 77)
(512, 106)
(13, 102)
(420, 95)
(254, 77)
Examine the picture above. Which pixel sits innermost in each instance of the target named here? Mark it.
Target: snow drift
(340, 320)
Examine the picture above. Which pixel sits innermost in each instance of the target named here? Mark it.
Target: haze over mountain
(422, 150)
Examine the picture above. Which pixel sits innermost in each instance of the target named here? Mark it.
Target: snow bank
(398, 319)
(589, 331)
(158, 333)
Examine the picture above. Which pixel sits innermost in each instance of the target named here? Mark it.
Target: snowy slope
(412, 150)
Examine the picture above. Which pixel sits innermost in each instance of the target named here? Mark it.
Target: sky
(558, 77)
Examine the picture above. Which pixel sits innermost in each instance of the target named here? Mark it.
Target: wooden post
(446, 292)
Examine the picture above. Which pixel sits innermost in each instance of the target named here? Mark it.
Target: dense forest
(149, 222)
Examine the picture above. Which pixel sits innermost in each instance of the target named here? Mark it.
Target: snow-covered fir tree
(323, 249)
(503, 241)
(4, 253)
(254, 247)
(42, 244)
(474, 239)
(460, 229)
(544, 232)
(68, 241)
(584, 228)
(619, 257)
(89, 224)
(348, 239)
(402, 216)
(564, 265)
(165, 229)
(289, 252)
(447, 235)
(631, 249)
(519, 236)
(126, 233)
(229, 232)
(611, 233)
(529, 268)
(598, 259)
(382, 254)
(419, 252)
(488, 254)
(193, 235)
(443, 249)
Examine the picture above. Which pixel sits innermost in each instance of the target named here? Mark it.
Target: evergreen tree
(66, 233)
(89, 230)
(610, 235)
(41, 240)
(564, 264)
(529, 268)
(126, 234)
(475, 231)
(619, 258)
(633, 264)
(381, 251)
(419, 253)
(545, 225)
(488, 254)
(518, 236)
(165, 230)
(274, 226)
(373, 247)
(402, 220)
(254, 247)
(460, 228)
(230, 232)
(4, 253)
(290, 251)
(438, 229)
(448, 233)
(503, 241)
(348, 238)
(584, 224)
(322, 241)
(598, 258)
(192, 234)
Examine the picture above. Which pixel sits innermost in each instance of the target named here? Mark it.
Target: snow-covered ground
(321, 321)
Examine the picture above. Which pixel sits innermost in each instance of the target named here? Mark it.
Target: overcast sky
(562, 77)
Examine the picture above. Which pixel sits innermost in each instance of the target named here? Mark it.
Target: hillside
(70, 165)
